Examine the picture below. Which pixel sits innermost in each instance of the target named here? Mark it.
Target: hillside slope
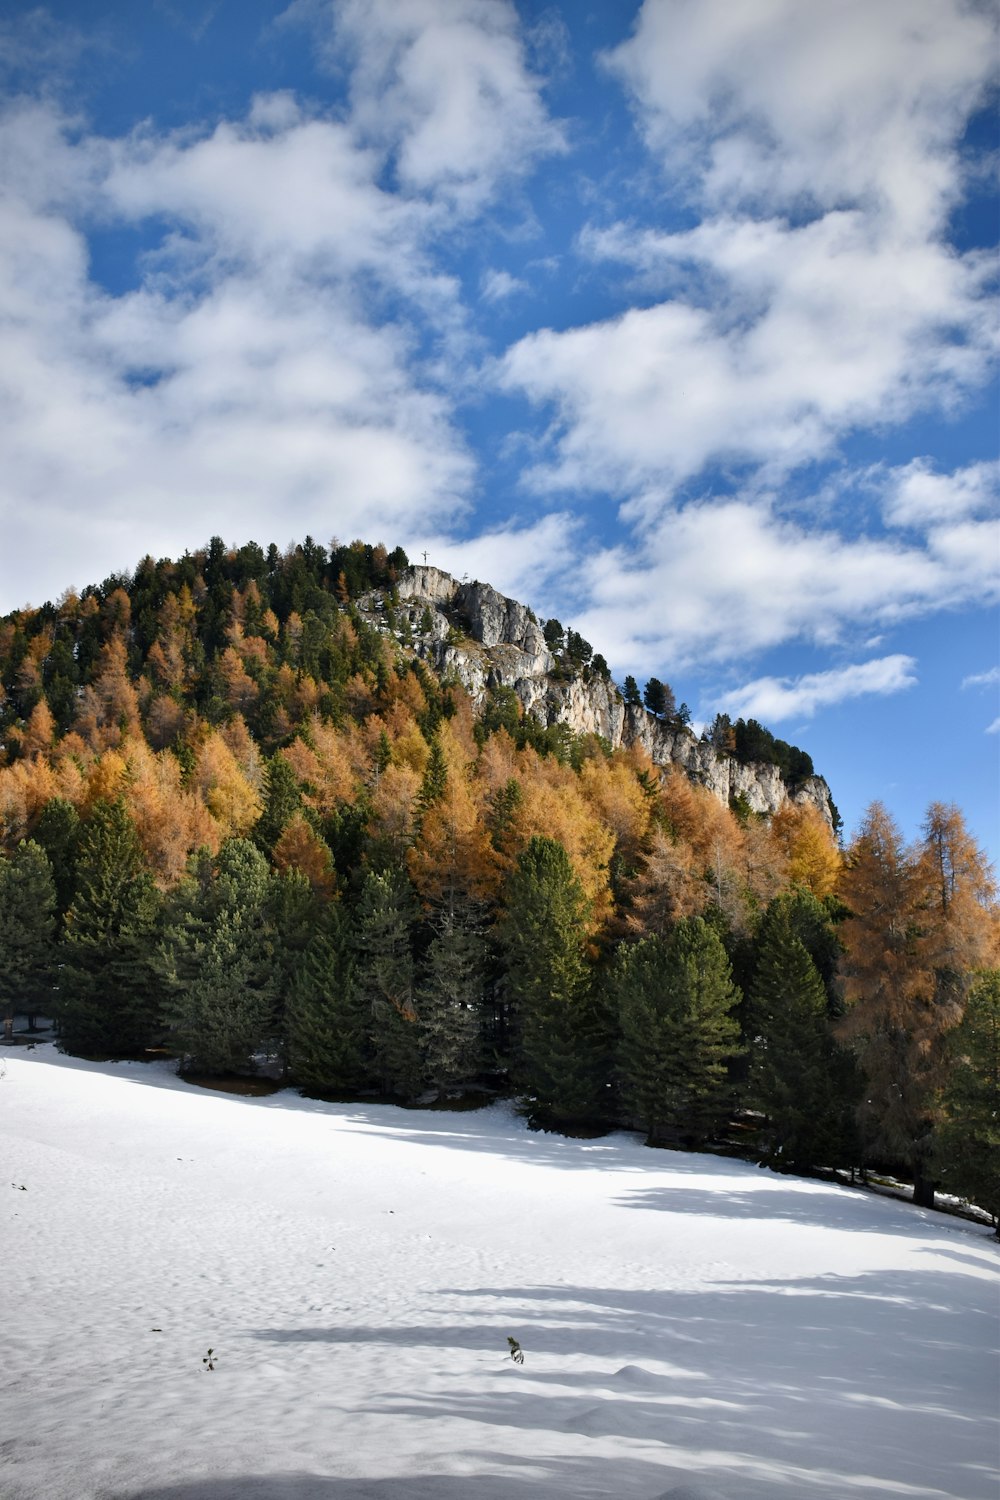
(357, 1271)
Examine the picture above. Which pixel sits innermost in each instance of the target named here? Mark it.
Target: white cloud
(526, 562)
(982, 679)
(811, 333)
(817, 297)
(917, 496)
(781, 698)
(247, 374)
(497, 285)
(290, 343)
(994, 728)
(444, 87)
(790, 105)
(724, 580)
(281, 191)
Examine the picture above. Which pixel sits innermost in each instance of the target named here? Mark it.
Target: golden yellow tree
(39, 731)
(224, 787)
(806, 839)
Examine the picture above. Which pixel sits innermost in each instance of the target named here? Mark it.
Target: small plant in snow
(516, 1352)
(209, 1360)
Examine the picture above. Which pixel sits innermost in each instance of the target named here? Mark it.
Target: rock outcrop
(486, 641)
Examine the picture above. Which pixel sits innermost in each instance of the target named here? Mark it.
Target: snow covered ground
(690, 1325)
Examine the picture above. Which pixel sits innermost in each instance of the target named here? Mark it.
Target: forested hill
(387, 832)
(221, 633)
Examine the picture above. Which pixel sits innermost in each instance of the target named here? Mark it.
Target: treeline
(260, 833)
(751, 743)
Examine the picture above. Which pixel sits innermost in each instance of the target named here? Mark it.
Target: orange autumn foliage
(323, 766)
(225, 788)
(452, 859)
(300, 848)
(171, 822)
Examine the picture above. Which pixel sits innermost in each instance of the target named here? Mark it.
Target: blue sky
(674, 319)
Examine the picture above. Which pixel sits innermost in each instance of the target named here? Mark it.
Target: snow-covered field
(690, 1325)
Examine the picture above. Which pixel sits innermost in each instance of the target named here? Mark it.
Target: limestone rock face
(497, 621)
(425, 583)
(487, 641)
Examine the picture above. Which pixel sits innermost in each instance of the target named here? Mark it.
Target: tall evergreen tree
(968, 1141)
(435, 778)
(327, 1042)
(220, 953)
(793, 1074)
(27, 933)
(676, 1002)
(659, 698)
(450, 1000)
(646, 1047)
(282, 800)
(58, 833)
(108, 998)
(385, 978)
(813, 922)
(561, 1042)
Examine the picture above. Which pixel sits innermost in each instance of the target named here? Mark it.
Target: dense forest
(243, 824)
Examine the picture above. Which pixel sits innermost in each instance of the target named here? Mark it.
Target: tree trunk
(923, 1191)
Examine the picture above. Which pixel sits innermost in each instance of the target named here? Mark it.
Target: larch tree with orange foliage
(906, 957)
(810, 849)
(224, 786)
(961, 900)
(299, 847)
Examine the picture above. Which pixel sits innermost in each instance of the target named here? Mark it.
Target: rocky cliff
(488, 642)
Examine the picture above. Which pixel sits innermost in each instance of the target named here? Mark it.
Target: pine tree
(659, 698)
(676, 1000)
(108, 999)
(646, 1055)
(283, 799)
(793, 1072)
(435, 779)
(385, 977)
(561, 1042)
(221, 960)
(326, 1018)
(27, 928)
(813, 922)
(58, 833)
(967, 1150)
(450, 999)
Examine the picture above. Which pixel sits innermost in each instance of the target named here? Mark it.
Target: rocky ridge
(486, 641)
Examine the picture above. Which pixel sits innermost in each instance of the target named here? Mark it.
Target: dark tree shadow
(499, 1479)
(886, 1380)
